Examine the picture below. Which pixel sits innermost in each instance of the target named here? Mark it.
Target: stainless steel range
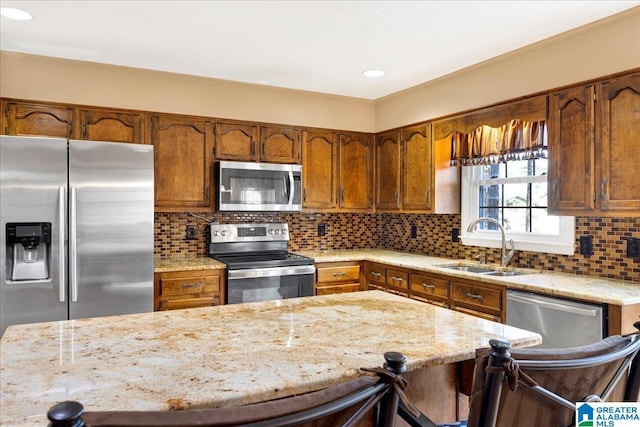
(259, 265)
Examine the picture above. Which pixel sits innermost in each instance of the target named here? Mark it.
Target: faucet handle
(482, 259)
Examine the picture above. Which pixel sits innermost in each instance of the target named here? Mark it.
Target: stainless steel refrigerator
(76, 237)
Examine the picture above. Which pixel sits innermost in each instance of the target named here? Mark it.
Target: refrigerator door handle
(61, 234)
(73, 265)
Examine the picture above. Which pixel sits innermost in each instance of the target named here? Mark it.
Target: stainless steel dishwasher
(560, 322)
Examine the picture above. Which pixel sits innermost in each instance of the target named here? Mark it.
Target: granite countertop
(227, 355)
(164, 265)
(587, 288)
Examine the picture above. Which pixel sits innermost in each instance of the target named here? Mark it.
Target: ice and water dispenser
(28, 246)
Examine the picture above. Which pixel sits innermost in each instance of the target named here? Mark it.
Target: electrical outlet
(586, 245)
(455, 235)
(190, 233)
(633, 248)
(322, 229)
(414, 231)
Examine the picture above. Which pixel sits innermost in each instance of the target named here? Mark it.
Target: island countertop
(227, 355)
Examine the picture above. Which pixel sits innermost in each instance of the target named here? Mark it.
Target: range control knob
(283, 231)
(215, 232)
(277, 231)
(223, 233)
(270, 231)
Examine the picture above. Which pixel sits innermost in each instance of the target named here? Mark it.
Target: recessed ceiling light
(13, 13)
(373, 73)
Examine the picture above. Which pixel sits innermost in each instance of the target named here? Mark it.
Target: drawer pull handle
(474, 296)
(428, 286)
(397, 279)
(376, 274)
(191, 285)
(340, 273)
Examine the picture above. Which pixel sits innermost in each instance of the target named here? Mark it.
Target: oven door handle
(250, 273)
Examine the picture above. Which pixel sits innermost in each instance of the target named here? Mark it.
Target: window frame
(563, 244)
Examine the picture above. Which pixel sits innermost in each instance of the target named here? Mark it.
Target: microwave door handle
(292, 188)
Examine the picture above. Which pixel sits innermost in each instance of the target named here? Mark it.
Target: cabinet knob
(474, 296)
(191, 285)
(428, 286)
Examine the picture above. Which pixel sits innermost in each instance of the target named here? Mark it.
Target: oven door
(263, 284)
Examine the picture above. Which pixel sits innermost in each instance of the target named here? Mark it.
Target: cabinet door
(355, 172)
(99, 125)
(319, 174)
(183, 162)
(236, 142)
(619, 144)
(571, 151)
(417, 169)
(387, 171)
(280, 145)
(37, 119)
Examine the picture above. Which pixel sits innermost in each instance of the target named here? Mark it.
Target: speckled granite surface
(227, 355)
(163, 265)
(587, 288)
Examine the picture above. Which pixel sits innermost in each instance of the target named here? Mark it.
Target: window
(515, 194)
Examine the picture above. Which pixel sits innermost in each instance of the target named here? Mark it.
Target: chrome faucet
(505, 257)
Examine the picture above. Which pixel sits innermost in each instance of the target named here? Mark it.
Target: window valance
(517, 140)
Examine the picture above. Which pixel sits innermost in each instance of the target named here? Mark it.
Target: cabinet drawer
(479, 297)
(477, 313)
(338, 274)
(337, 289)
(189, 286)
(377, 275)
(398, 279)
(429, 286)
(181, 303)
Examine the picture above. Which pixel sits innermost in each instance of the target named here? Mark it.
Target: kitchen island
(229, 355)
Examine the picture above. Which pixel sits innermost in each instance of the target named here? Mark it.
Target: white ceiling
(320, 46)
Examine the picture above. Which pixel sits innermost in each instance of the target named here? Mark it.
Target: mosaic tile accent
(609, 245)
(344, 231)
(393, 231)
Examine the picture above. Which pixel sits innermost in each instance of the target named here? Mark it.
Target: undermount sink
(469, 268)
(484, 270)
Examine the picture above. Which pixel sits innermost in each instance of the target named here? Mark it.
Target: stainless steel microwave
(259, 187)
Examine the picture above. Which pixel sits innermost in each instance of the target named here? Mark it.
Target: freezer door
(33, 179)
(110, 228)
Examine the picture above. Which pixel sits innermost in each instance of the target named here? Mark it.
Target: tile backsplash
(393, 231)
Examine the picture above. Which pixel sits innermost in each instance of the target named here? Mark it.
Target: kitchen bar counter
(227, 355)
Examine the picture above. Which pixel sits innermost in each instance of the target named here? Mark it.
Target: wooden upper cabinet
(236, 141)
(594, 148)
(111, 126)
(417, 169)
(387, 171)
(280, 145)
(183, 150)
(26, 118)
(571, 150)
(319, 171)
(619, 144)
(355, 173)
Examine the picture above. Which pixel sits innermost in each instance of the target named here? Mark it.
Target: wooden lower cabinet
(337, 277)
(386, 278)
(429, 288)
(188, 289)
(479, 299)
(483, 300)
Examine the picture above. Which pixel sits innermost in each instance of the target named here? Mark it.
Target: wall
(392, 231)
(76, 82)
(598, 49)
